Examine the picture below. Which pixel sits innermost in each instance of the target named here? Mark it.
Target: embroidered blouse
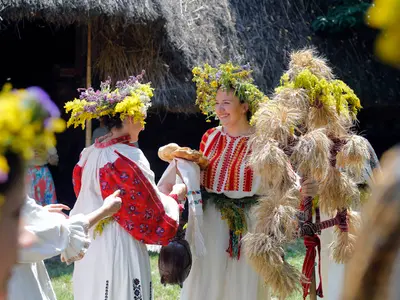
(146, 214)
(228, 172)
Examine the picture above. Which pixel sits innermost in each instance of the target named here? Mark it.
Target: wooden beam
(89, 80)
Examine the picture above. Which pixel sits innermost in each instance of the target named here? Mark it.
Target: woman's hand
(112, 204)
(166, 188)
(57, 208)
(180, 190)
(309, 188)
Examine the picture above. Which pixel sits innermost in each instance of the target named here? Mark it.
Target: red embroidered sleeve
(142, 214)
(204, 139)
(77, 179)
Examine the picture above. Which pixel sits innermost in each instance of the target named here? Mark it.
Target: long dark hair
(112, 121)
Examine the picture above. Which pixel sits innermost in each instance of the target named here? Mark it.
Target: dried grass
(311, 155)
(354, 156)
(262, 33)
(328, 118)
(272, 165)
(277, 122)
(343, 245)
(284, 280)
(337, 191)
(309, 59)
(266, 257)
(277, 218)
(263, 250)
(354, 221)
(295, 99)
(124, 50)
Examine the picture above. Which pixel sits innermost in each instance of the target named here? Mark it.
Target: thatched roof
(168, 37)
(72, 11)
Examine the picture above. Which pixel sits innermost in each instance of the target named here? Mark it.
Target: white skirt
(115, 267)
(216, 276)
(332, 273)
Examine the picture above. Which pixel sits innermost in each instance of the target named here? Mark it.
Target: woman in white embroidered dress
(117, 265)
(223, 273)
(54, 234)
(26, 121)
(31, 111)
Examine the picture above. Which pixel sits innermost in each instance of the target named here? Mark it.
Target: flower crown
(28, 120)
(227, 76)
(128, 98)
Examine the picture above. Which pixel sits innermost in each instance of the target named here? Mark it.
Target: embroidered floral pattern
(142, 214)
(137, 289)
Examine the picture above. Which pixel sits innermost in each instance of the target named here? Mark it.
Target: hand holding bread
(169, 152)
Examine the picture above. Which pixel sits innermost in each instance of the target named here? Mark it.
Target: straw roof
(72, 11)
(168, 38)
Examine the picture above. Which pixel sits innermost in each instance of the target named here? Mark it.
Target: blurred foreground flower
(385, 15)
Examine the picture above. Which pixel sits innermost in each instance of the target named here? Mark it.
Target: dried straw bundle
(295, 99)
(353, 156)
(271, 164)
(309, 58)
(337, 191)
(311, 155)
(266, 257)
(277, 218)
(281, 122)
(284, 280)
(263, 251)
(354, 221)
(342, 246)
(326, 116)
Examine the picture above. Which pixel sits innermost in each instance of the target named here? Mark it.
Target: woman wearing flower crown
(28, 120)
(228, 93)
(117, 264)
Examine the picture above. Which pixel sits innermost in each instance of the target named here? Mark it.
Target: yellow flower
(4, 168)
(385, 15)
(57, 125)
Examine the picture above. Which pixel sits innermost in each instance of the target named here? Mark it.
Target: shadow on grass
(56, 268)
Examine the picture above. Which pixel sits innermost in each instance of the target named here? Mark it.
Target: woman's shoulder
(132, 153)
(211, 132)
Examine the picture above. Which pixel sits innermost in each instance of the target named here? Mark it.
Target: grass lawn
(61, 276)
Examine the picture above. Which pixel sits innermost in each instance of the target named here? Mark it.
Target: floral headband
(28, 120)
(227, 76)
(128, 98)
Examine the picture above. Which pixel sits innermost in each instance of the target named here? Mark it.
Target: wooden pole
(313, 287)
(89, 80)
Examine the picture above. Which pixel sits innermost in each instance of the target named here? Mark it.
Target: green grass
(295, 256)
(169, 292)
(60, 275)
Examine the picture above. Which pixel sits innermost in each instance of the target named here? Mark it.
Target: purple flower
(44, 100)
(90, 108)
(218, 75)
(246, 67)
(3, 177)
